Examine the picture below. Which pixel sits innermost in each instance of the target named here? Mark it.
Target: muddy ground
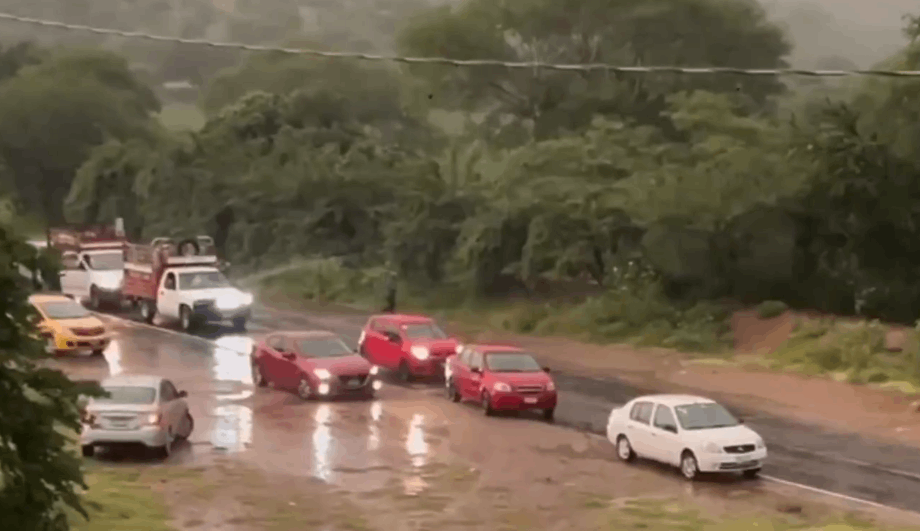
(263, 459)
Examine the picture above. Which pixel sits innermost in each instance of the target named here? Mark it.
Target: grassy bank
(638, 315)
(124, 498)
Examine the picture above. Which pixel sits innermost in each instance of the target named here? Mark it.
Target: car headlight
(551, 386)
(501, 387)
(246, 299)
(228, 302)
(374, 370)
(712, 448)
(421, 353)
(458, 349)
(322, 374)
(760, 444)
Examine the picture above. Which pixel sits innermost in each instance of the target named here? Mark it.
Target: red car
(315, 364)
(501, 378)
(411, 345)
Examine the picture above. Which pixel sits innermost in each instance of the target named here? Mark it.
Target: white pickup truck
(182, 282)
(92, 263)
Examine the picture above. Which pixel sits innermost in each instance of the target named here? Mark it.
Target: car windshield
(63, 310)
(326, 347)
(511, 362)
(203, 280)
(105, 261)
(424, 331)
(704, 416)
(128, 395)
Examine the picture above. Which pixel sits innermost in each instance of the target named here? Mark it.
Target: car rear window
(424, 331)
(512, 362)
(129, 395)
(326, 347)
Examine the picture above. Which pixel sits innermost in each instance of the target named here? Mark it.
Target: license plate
(354, 382)
(530, 400)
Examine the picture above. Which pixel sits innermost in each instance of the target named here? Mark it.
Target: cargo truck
(92, 262)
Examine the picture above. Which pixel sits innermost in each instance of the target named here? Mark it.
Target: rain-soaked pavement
(358, 444)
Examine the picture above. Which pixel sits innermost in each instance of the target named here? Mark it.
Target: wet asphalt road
(841, 463)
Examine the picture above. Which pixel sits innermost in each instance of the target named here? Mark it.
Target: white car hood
(739, 434)
(212, 293)
(107, 279)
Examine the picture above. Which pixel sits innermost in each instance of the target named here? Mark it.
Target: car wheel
(190, 423)
(624, 449)
(88, 450)
(257, 378)
(239, 324)
(148, 311)
(751, 474)
(185, 319)
(98, 351)
(549, 414)
(94, 302)
(404, 373)
(303, 390)
(452, 394)
(689, 468)
(487, 404)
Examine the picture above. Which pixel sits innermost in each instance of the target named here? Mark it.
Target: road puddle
(322, 442)
(231, 360)
(232, 432)
(418, 451)
(113, 358)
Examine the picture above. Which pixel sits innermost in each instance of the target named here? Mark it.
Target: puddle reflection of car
(501, 378)
(692, 433)
(412, 345)
(146, 411)
(313, 364)
(66, 326)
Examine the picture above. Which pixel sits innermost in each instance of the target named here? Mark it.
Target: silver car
(145, 410)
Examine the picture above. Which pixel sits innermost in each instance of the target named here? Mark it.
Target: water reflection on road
(233, 428)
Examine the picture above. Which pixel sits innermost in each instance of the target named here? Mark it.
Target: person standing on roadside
(390, 306)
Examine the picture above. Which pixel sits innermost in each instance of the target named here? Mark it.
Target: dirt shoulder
(878, 413)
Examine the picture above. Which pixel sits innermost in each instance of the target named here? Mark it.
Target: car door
(474, 379)
(270, 360)
(665, 436)
(460, 371)
(168, 297)
(374, 341)
(288, 369)
(391, 353)
(637, 428)
(170, 406)
(70, 273)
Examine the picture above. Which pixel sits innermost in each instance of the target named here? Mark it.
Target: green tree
(40, 472)
(732, 33)
(65, 106)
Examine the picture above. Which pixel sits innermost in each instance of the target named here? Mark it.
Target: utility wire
(588, 67)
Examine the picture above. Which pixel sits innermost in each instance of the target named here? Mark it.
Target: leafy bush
(771, 309)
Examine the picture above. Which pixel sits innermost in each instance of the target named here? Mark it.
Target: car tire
(487, 404)
(624, 450)
(190, 421)
(94, 302)
(239, 324)
(88, 450)
(303, 390)
(689, 468)
(258, 379)
(148, 311)
(549, 415)
(452, 394)
(186, 320)
(751, 474)
(404, 373)
(98, 352)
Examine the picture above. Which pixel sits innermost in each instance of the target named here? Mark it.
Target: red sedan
(315, 364)
(501, 378)
(412, 345)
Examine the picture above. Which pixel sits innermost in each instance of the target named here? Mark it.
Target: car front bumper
(72, 343)
(214, 314)
(149, 436)
(426, 367)
(731, 462)
(520, 402)
(342, 387)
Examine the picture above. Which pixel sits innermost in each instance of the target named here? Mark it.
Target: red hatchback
(314, 364)
(501, 378)
(411, 345)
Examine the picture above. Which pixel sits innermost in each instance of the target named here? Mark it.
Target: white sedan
(692, 433)
(140, 410)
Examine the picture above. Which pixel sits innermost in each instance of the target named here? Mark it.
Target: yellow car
(67, 326)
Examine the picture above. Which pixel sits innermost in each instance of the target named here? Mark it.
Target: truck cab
(92, 260)
(183, 282)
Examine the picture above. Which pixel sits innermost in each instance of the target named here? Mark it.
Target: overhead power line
(587, 67)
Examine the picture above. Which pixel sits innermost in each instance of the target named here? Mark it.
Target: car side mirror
(546, 369)
(288, 355)
(183, 394)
